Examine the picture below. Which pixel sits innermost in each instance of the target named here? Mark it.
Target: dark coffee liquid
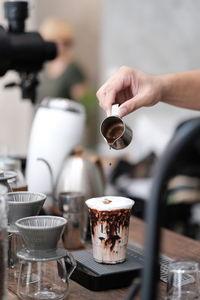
(114, 132)
(19, 188)
(116, 220)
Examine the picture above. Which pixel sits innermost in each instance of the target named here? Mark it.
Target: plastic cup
(109, 220)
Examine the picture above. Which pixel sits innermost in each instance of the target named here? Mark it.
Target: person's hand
(131, 89)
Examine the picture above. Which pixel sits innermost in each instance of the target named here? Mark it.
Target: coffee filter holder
(22, 204)
(41, 235)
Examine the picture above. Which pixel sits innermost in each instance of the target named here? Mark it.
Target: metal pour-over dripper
(22, 204)
(41, 235)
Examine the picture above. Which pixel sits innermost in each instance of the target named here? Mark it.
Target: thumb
(131, 105)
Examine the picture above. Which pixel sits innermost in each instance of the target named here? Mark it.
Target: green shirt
(61, 86)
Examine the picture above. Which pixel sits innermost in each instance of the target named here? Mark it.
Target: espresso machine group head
(23, 52)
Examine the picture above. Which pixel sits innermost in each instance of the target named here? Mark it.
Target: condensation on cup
(109, 219)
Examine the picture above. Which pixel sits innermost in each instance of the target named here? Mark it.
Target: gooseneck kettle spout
(186, 134)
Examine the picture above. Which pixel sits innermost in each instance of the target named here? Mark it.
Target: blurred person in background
(63, 77)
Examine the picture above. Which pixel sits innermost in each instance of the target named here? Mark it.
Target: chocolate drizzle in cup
(109, 219)
(115, 221)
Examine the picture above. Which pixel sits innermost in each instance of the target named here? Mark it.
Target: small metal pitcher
(116, 133)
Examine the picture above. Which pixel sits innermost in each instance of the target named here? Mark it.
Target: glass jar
(10, 164)
(41, 279)
(3, 249)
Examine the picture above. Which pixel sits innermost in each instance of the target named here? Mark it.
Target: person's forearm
(181, 89)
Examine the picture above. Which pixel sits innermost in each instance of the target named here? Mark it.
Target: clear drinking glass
(183, 281)
(15, 244)
(109, 219)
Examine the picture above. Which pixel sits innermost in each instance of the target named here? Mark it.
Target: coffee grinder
(23, 52)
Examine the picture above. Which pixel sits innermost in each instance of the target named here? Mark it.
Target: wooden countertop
(173, 245)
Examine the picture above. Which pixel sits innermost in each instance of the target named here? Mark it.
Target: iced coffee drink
(109, 219)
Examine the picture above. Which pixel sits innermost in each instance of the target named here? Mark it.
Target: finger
(120, 98)
(107, 102)
(106, 96)
(123, 96)
(131, 105)
(107, 93)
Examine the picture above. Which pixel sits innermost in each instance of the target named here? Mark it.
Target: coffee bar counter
(173, 245)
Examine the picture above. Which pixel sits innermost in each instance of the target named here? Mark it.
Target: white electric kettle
(57, 128)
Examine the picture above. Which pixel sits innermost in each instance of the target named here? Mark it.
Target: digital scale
(99, 277)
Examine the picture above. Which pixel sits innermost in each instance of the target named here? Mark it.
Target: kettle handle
(79, 151)
(49, 169)
(99, 165)
(55, 209)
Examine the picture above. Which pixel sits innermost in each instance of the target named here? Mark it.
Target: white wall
(156, 37)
